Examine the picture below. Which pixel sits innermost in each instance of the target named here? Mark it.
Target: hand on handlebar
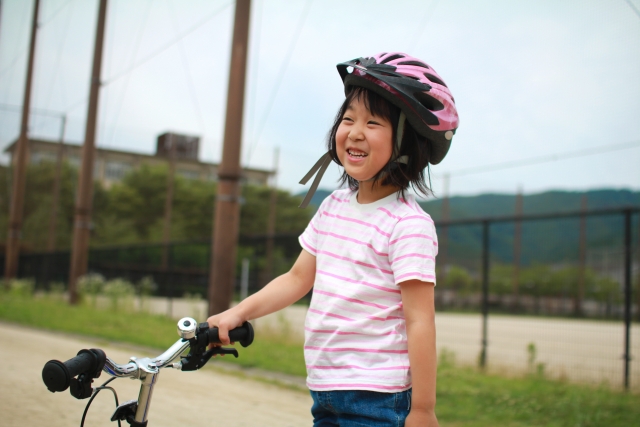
(225, 321)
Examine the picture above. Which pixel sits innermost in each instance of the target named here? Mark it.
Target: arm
(281, 292)
(419, 311)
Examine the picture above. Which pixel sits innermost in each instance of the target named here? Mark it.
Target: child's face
(363, 141)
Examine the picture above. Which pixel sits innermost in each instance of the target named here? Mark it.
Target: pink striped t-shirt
(355, 335)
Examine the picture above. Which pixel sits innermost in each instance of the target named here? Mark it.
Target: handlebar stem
(148, 379)
(146, 370)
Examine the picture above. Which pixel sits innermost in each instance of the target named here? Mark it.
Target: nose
(356, 133)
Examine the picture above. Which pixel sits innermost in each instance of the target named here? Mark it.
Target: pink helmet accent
(412, 86)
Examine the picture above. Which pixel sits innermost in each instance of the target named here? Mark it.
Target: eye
(347, 119)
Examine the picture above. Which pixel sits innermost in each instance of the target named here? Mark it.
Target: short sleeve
(413, 247)
(309, 238)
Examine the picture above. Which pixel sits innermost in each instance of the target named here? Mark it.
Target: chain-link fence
(549, 294)
(552, 294)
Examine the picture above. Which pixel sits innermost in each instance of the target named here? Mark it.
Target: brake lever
(222, 351)
(193, 362)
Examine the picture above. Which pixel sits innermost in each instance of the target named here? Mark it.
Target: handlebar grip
(57, 375)
(242, 334)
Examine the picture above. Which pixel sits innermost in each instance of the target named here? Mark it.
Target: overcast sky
(532, 80)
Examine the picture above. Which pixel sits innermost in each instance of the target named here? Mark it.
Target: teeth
(356, 154)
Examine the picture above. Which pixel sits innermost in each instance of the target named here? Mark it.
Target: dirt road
(202, 398)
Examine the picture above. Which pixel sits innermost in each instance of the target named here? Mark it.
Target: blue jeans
(360, 408)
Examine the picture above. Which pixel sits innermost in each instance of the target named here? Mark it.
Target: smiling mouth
(356, 153)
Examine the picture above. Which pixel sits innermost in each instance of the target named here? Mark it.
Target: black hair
(415, 147)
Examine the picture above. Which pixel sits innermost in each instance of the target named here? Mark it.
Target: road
(202, 398)
(578, 350)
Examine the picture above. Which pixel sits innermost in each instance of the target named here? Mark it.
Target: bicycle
(78, 373)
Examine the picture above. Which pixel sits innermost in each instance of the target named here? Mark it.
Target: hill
(548, 241)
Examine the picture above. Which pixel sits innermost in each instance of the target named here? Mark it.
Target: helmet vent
(434, 79)
(429, 102)
(391, 58)
(416, 63)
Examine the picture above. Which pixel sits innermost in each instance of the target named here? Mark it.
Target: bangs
(376, 104)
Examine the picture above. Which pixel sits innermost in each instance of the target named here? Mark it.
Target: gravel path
(202, 398)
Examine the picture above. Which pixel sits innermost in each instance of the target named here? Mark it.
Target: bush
(145, 288)
(117, 290)
(21, 288)
(57, 290)
(91, 285)
(194, 301)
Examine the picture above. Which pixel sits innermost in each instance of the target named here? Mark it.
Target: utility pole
(227, 214)
(84, 196)
(20, 164)
(271, 222)
(55, 202)
(168, 203)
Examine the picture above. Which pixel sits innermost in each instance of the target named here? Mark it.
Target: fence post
(627, 295)
(485, 291)
(244, 279)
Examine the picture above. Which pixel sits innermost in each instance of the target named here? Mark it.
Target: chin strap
(323, 163)
(399, 135)
(321, 166)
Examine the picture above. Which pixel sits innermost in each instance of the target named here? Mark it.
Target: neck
(368, 193)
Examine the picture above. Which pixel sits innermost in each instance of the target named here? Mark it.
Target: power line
(54, 14)
(56, 67)
(40, 25)
(76, 104)
(167, 45)
(22, 52)
(283, 68)
(40, 111)
(134, 54)
(633, 6)
(544, 159)
(423, 24)
(187, 71)
(256, 29)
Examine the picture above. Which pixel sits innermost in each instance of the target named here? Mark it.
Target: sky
(548, 92)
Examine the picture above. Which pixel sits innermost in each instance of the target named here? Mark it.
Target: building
(112, 165)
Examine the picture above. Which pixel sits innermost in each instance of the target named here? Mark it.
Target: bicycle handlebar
(57, 376)
(242, 334)
(88, 364)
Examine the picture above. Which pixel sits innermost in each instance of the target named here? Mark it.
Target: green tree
(132, 211)
(138, 202)
(501, 279)
(38, 205)
(255, 212)
(459, 279)
(193, 209)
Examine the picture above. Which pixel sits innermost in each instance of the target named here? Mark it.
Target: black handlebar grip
(242, 334)
(57, 375)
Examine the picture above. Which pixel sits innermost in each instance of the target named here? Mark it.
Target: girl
(369, 252)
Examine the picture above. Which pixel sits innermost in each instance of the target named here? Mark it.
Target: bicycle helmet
(412, 86)
(415, 88)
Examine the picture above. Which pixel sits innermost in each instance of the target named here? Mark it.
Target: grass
(466, 397)
(156, 331)
(469, 398)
